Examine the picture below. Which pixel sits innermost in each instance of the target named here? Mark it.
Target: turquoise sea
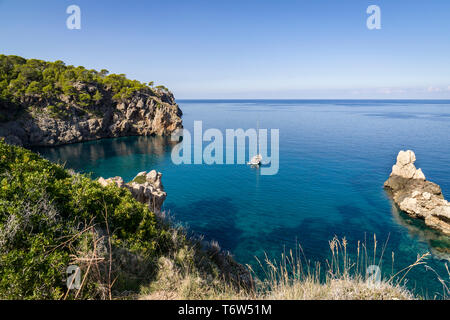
(334, 158)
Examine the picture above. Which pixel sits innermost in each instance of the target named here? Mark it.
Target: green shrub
(85, 99)
(50, 219)
(33, 88)
(97, 96)
(21, 77)
(140, 179)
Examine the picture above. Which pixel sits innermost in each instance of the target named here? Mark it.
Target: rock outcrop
(145, 188)
(416, 196)
(148, 189)
(144, 113)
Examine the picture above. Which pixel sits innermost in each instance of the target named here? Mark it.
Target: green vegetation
(48, 83)
(51, 218)
(140, 179)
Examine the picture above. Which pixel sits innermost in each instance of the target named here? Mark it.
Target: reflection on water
(83, 157)
(437, 242)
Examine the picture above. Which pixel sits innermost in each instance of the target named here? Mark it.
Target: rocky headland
(142, 114)
(50, 103)
(416, 196)
(146, 188)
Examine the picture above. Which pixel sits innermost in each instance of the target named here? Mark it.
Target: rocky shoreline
(144, 113)
(416, 196)
(146, 188)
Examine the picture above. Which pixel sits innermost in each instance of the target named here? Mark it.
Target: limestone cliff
(146, 112)
(416, 196)
(146, 188)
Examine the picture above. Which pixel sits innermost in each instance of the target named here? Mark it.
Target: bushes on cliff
(50, 219)
(24, 79)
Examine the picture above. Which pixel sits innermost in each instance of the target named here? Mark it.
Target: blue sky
(246, 48)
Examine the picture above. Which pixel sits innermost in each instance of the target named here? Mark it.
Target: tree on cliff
(21, 78)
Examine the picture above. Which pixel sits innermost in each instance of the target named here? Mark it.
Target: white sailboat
(256, 160)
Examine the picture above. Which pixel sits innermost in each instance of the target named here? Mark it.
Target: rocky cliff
(144, 113)
(146, 188)
(416, 196)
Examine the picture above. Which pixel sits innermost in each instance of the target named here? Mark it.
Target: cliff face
(145, 112)
(416, 196)
(146, 188)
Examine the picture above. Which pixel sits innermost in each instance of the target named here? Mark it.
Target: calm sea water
(334, 159)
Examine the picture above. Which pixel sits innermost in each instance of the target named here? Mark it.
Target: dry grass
(193, 270)
(293, 278)
(445, 283)
(173, 284)
(339, 289)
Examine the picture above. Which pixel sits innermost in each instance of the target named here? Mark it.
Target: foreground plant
(52, 218)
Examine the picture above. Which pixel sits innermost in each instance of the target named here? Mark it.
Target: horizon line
(315, 99)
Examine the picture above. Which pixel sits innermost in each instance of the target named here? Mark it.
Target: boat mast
(257, 137)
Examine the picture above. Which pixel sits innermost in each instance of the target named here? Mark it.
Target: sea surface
(334, 158)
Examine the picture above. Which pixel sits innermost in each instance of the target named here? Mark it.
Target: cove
(334, 158)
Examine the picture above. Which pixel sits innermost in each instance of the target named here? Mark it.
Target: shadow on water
(81, 155)
(313, 234)
(213, 218)
(393, 249)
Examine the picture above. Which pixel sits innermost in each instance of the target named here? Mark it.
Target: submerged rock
(416, 196)
(145, 188)
(438, 242)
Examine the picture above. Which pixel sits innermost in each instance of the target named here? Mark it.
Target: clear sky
(246, 48)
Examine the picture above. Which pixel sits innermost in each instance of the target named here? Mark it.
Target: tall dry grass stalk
(444, 282)
(294, 277)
